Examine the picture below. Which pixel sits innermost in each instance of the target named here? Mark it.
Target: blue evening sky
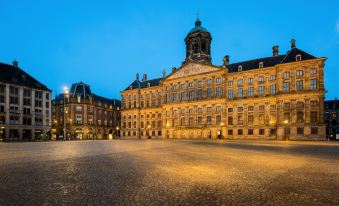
(105, 43)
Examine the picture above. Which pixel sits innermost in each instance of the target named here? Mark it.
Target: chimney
(144, 77)
(15, 63)
(292, 43)
(275, 50)
(226, 60)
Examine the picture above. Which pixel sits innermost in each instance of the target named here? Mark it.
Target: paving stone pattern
(133, 172)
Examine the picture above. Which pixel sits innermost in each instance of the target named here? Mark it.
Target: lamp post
(65, 96)
(1, 131)
(167, 133)
(286, 122)
(117, 131)
(221, 125)
(148, 127)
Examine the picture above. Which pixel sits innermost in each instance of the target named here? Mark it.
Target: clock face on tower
(198, 44)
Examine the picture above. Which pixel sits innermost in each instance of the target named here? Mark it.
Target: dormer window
(261, 64)
(298, 57)
(239, 68)
(149, 84)
(131, 87)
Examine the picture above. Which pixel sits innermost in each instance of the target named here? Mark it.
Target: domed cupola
(198, 44)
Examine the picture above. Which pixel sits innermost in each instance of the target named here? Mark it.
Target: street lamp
(66, 92)
(148, 127)
(221, 125)
(286, 122)
(117, 131)
(1, 131)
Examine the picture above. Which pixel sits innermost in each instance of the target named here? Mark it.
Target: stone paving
(132, 172)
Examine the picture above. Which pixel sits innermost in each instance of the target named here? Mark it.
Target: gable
(192, 69)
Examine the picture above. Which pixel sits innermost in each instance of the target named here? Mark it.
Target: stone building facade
(25, 105)
(276, 97)
(88, 116)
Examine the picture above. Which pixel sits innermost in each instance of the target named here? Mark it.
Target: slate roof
(85, 91)
(137, 84)
(271, 61)
(15, 75)
(290, 56)
(81, 88)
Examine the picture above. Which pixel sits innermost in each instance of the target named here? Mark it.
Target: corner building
(85, 115)
(277, 97)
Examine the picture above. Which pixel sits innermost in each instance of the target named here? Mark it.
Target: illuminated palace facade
(276, 97)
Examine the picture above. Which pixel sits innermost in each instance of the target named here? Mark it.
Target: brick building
(88, 116)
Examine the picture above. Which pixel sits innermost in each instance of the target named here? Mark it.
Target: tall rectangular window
(230, 120)
(240, 92)
(209, 92)
(183, 96)
(230, 94)
(299, 85)
(191, 97)
(261, 90)
(199, 94)
(78, 119)
(273, 89)
(200, 120)
(175, 97)
(250, 91)
(191, 122)
(218, 119)
(208, 120)
(313, 85)
(218, 92)
(168, 98)
(286, 86)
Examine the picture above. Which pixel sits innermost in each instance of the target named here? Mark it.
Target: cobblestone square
(132, 172)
